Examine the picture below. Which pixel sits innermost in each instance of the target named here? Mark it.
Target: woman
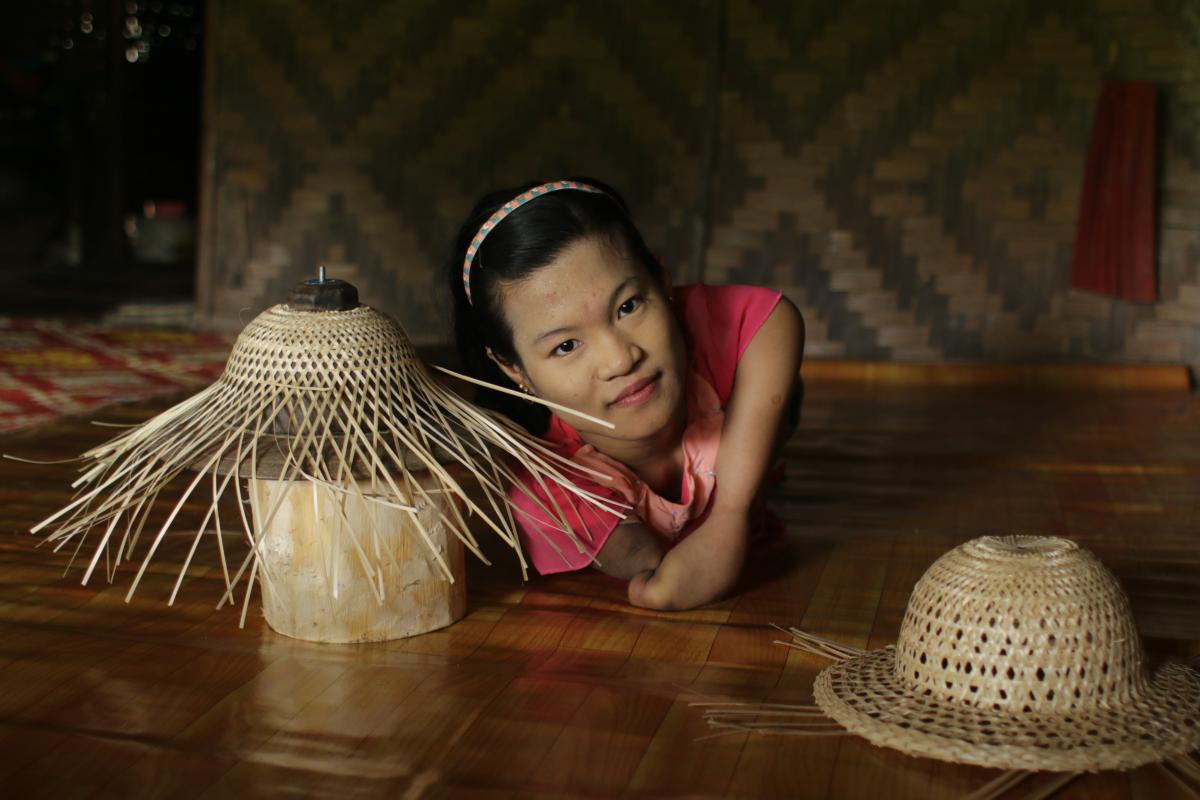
(556, 293)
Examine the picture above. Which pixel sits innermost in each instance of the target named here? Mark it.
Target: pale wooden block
(319, 588)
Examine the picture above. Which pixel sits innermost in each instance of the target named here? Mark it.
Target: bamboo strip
(1000, 785)
(1052, 787)
(528, 398)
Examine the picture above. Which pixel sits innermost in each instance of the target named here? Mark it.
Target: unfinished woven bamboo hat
(1017, 652)
(325, 390)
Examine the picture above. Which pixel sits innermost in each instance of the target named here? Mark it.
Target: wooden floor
(556, 688)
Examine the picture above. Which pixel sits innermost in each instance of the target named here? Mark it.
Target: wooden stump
(315, 550)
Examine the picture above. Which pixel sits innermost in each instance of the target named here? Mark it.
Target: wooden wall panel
(358, 135)
(908, 173)
(911, 174)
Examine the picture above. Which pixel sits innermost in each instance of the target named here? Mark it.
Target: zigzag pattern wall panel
(357, 135)
(912, 179)
(908, 172)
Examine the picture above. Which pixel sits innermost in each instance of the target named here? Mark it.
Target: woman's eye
(566, 347)
(630, 305)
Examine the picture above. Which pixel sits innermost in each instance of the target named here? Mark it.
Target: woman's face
(595, 332)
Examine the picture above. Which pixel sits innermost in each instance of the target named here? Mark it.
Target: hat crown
(306, 349)
(1024, 624)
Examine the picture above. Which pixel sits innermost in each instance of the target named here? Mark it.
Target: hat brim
(864, 696)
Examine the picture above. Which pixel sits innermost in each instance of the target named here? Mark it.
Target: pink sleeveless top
(719, 323)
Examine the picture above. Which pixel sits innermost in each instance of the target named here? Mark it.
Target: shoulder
(720, 322)
(705, 303)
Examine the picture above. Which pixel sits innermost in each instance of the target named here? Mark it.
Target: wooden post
(318, 585)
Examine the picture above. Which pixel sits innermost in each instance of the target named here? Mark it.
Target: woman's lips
(637, 393)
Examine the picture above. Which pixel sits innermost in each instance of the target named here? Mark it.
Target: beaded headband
(508, 208)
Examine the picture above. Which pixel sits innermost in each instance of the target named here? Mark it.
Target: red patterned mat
(52, 368)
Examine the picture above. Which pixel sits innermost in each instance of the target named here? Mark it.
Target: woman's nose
(619, 356)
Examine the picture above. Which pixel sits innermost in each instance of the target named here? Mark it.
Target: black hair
(523, 242)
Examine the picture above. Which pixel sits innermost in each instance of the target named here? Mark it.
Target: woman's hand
(631, 550)
(703, 567)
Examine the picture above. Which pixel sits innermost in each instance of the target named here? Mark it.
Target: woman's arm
(630, 550)
(706, 564)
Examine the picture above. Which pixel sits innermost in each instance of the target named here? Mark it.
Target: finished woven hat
(1015, 652)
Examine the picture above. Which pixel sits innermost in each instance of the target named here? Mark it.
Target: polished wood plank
(555, 687)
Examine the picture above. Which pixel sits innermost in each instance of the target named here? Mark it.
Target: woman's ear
(512, 371)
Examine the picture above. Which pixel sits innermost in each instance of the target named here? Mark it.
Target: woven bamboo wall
(358, 135)
(908, 172)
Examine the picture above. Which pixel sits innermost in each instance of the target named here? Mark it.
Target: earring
(524, 388)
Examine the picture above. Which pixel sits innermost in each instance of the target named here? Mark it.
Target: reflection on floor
(555, 687)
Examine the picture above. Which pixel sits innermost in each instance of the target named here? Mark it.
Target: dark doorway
(100, 104)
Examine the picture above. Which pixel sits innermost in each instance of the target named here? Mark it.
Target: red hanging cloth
(1114, 241)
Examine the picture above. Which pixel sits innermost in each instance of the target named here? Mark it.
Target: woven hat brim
(863, 695)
